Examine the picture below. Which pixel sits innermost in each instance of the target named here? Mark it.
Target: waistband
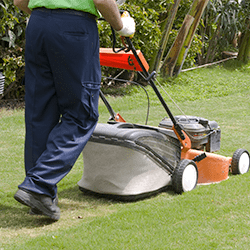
(67, 11)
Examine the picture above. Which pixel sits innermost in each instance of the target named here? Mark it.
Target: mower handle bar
(151, 82)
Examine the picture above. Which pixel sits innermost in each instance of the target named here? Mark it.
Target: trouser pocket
(90, 98)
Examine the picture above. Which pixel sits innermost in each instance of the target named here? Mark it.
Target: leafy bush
(148, 15)
(12, 41)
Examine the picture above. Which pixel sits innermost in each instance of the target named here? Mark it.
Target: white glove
(128, 28)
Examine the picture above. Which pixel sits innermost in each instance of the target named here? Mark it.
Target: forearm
(110, 12)
(23, 5)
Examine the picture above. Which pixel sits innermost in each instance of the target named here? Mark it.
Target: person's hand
(128, 28)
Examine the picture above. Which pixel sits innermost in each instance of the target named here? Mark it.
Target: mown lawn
(213, 216)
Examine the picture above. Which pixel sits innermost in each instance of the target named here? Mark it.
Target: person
(62, 82)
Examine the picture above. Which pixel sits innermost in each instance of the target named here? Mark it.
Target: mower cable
(189, 135)
(136, 83)
(171, 98)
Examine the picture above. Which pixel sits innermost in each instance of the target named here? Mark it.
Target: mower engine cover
(128, 161)
(204, 134)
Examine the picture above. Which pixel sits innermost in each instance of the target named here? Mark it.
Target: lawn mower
(129, 161)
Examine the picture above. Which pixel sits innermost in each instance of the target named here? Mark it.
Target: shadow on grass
(17, 216)
(233, 65)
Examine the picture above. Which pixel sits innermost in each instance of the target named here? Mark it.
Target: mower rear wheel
(240, 161)
(185, 176)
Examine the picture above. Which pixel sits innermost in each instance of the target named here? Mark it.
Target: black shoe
(35, 211)
(41, 202)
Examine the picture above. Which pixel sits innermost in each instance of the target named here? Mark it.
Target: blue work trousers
(62, 82)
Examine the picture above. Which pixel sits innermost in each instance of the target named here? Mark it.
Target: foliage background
(148, 15)
(221, 20)
(12, 43)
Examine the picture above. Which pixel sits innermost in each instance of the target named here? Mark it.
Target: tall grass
(213, 216)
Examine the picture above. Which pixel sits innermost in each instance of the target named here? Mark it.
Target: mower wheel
(185, 176)
(240, 161)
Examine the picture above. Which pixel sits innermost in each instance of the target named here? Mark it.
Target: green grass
(213, 216)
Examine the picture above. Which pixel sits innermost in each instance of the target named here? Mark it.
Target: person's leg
(41, 112)
(41, 109)
(72, 47)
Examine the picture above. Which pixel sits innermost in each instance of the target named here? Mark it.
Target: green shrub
(148, 15)
(12, 43)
